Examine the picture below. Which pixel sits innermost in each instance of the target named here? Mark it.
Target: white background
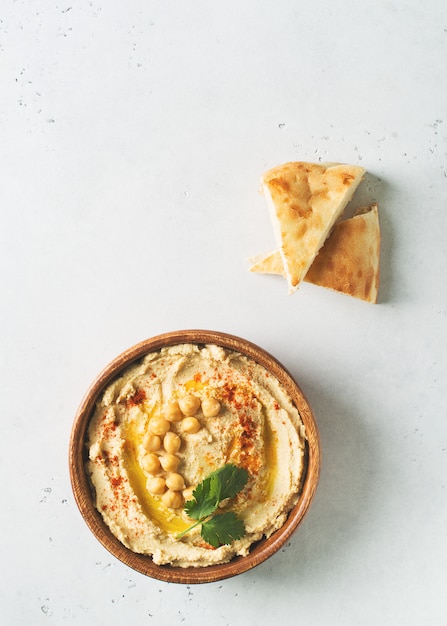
(133, 136)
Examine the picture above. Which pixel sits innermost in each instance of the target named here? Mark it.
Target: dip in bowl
(163, 417)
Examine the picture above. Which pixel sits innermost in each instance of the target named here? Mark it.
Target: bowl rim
(81, 487)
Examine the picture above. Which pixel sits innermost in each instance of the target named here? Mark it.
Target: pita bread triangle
(349, 261)
(305, 200)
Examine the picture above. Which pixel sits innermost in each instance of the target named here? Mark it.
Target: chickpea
(189, 405)
(156, 485)
(210, 407)
(187, 493)
(159, 426)
(172, 442)
(169, 462)
(151, 442)
(175, 482)
(191, 425)
(172, 499)
(150, 463)
(172, 412)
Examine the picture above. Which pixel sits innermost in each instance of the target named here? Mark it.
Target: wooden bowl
(260, 551)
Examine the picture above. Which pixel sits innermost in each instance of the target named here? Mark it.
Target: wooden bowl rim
(81, 488)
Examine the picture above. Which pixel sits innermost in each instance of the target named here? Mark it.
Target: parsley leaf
(204, 501)
(222, 528)
(225, 482)
(228, 481)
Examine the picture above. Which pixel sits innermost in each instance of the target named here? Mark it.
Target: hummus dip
(254, 424)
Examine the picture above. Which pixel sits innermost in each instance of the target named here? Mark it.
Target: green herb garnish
(217, 528)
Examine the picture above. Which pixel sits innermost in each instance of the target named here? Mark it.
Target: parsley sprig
(217, 528)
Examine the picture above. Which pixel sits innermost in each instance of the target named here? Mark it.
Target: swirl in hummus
(257, 427)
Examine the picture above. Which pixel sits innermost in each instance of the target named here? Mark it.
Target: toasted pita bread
(305, 200)
(349, 260)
